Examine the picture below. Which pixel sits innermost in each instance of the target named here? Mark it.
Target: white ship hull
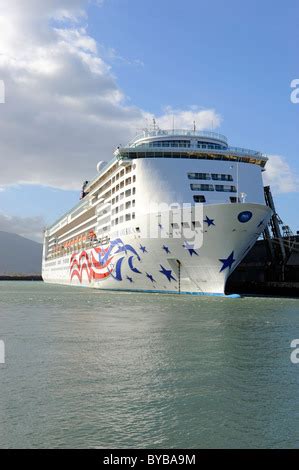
(166, 265)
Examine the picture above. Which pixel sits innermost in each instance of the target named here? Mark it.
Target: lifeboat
(92, 235)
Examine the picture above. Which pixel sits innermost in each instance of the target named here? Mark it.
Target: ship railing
(245, 151)
(124, 152)
(177, 132)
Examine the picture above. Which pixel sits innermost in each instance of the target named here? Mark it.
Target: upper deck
(180, 143)
(160, 135)
(157, 143)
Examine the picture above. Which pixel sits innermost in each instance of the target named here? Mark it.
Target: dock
(20, 277)
(272, 265)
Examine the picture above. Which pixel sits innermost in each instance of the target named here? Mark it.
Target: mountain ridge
(19, 255)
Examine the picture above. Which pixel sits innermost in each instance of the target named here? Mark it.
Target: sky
(81, 77)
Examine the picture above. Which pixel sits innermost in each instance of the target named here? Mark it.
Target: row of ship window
(127, 193)
(125, 206)
(123, 218)
(210, 187)
(121, 173)
(182, 144)
(208, 176)
(123, 183)
(201, 198)
(116, 199)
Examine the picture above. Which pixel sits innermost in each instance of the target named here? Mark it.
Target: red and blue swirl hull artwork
(100, 263)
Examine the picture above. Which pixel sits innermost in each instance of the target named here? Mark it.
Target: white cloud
(280, 176)
(28, 227)
(64, 110)
(183, 119)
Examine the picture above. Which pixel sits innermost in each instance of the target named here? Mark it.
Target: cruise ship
(174, 211)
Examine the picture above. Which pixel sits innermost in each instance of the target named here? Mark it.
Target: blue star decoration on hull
(228, 262)
(167, 273)
(209, 221)
(150, 277)
(190, 248)
(143, 249)
(166, 249)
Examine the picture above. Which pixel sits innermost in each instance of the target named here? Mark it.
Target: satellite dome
(100, 166)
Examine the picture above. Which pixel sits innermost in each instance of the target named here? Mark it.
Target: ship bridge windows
(204, 145)
(202, 187)
(167, 143)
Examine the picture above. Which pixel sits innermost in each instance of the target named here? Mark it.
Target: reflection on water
(96, 369)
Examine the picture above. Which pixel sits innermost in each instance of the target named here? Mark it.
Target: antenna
(154, 124)
(194, 126)
(173, 123)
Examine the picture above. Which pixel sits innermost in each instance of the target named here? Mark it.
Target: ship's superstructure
(102, 242)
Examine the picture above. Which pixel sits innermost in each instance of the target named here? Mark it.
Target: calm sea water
(96, 369)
